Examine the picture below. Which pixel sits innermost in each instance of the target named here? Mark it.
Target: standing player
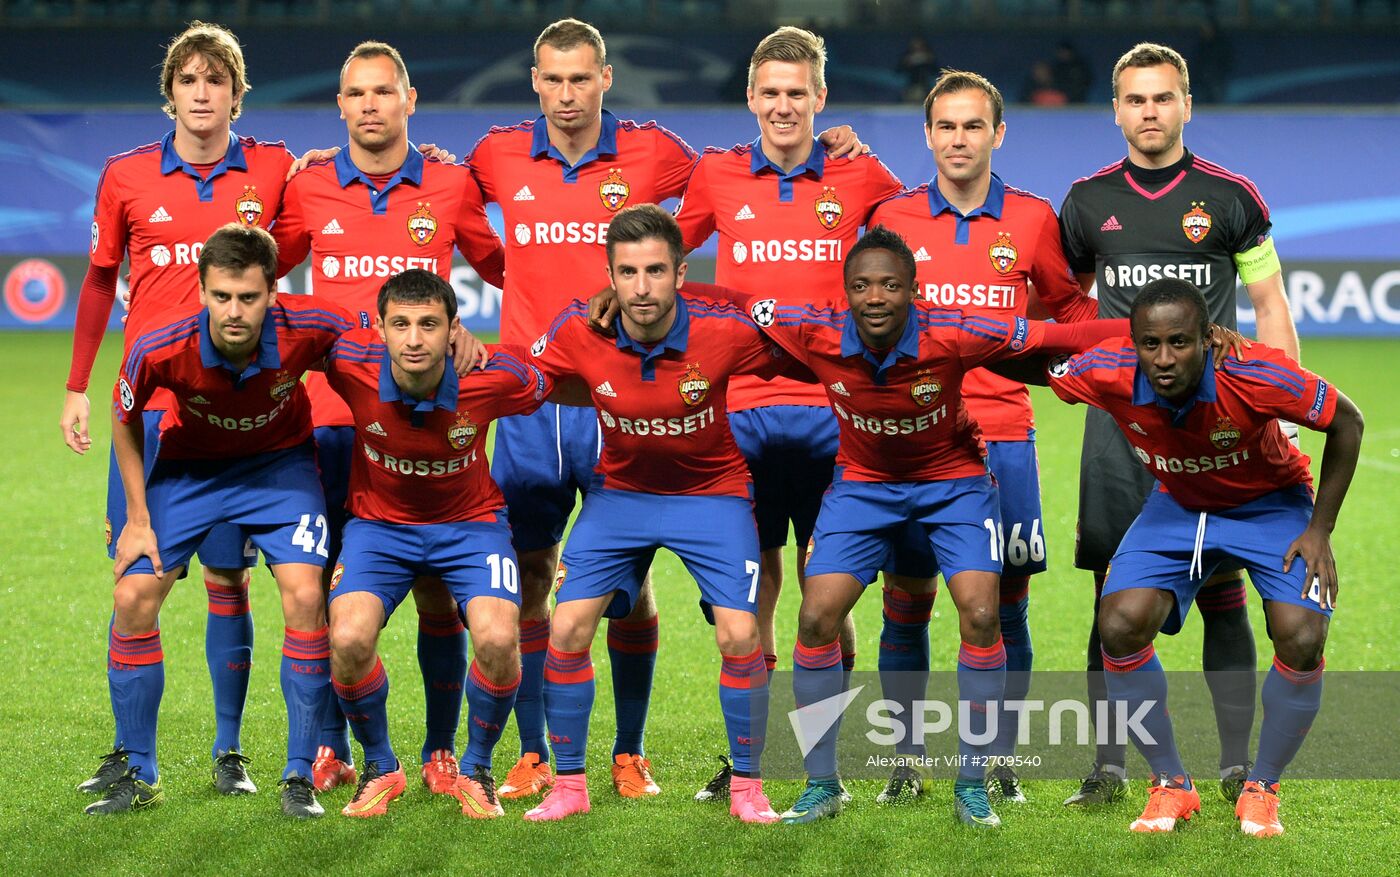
(1234, 491)
(424, 503)
(909, 452)
(376, 209)
(983, 247)
(1164, 212)
(238, 452)
(156, 205)
(785, 214)
(671, 477)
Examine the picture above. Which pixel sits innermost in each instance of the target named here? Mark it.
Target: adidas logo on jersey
(376, 429)
(199, 400)
(744, 213)
(921, 255)
(524, 194)
(161, 216)
(605, 389)
(332, 227)
(839, 388)
(1111, 224)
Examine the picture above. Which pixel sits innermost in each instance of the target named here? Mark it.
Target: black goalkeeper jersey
(1130, 225)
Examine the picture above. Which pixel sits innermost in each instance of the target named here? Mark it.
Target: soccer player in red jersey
(423, 502)
(1232, 490)
(234, 448)
(985, 248)
(909, 452)
(1165, 212)
(785, 214)
(670, 476)
(378, 208)
(156, 205)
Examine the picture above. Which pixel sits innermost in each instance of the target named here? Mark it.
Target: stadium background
(1302, 98)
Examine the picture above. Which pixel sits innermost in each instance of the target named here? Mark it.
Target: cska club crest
(249, 207)
(461, 433)
(1196, 222)
(282, 385)
(614, 190)
(1002, 253)
(336, 576)
(1225, 435)
(422, 225)
(925, 388)
(694, 386)
(829, 208)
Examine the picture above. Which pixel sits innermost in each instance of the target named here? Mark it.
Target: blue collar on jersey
(445, 397)
(411, 171)
(269, 356)
(675, 339)
(996, 200)
(815, 165)
(170, 161)
(1144, 394)
(540, 147)
(906, 347)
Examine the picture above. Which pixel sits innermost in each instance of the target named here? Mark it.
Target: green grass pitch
(55, 721)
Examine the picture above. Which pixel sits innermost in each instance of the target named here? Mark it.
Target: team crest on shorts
(461, 433)
(422, 225)
(1225, 435)
(829, 208)
(283, 384)
(614, 190)
(250, 207)
(925, 387)
(335, 576)
(559, 573)
(1002, 253)
(694, 386)
(1196, 222)
(107, 526)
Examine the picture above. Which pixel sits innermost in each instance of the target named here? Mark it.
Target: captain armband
(1258, 263)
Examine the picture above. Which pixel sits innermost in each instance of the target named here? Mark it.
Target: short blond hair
(793, 45)
(1150, 55)
(219, 48)
(376, 49)
(570, 33)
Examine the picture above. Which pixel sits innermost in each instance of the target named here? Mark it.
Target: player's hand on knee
(135, 542)
(1225, 343)
(602, 310)
(310, 156)
(74, 422)
(432, 150)
(842, 141)
(1315, 549)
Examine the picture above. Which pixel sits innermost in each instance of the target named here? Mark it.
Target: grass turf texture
(54, 714)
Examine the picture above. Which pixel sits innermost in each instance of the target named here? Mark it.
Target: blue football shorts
(541, 461)
(791, 452)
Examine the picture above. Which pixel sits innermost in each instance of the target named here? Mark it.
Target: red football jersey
(424, 462)
(779, 231)
(219, 412)
(662, 408)
(900, 412)
(359, 235)
(557, 215)
(981, 263)
(158, 209)
(1222, 447)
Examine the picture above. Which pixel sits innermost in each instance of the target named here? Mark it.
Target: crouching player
(1232, 489)
(422, 502)
(910, 461)
(234, 448)
(671, 477)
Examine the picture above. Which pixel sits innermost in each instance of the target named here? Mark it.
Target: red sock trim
(1128, 663)
(1300, 677)
(817, 657)
(440, 623)
(848, 661)
(371, 684)
(770, 662)
(227, 600)
(135, 650)
(634, 637)
(901, 607)
(567, 667)
(1014, 590)
(303, 645)
(1223, 597)
(743, 671)
(534, 636)
(477, 678)
(990, 657)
